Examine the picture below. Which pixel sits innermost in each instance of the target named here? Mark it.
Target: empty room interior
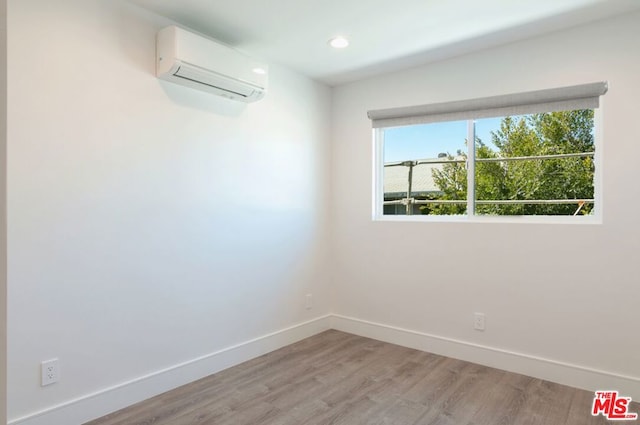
(320, 249)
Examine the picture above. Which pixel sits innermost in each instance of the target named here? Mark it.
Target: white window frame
(561, 99)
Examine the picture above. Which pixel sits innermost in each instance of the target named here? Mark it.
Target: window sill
(540, 219)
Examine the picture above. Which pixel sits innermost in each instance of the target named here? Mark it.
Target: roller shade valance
(585, 96)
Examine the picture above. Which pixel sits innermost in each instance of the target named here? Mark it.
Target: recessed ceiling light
(338, 42)
(260, 71)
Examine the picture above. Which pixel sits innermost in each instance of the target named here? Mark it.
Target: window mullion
(378, 172)
(471, 168)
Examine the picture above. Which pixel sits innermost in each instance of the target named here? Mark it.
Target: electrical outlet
(50, 372)
(309, 302)
(478, 321)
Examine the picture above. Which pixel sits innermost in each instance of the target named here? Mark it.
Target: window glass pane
(538, 164)
(422, 164)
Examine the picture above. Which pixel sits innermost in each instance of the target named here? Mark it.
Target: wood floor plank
(338, 378)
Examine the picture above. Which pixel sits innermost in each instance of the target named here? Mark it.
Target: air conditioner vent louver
(197, 62)
(217, 82)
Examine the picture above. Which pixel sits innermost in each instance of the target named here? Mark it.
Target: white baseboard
(92, 406)
(551, 370)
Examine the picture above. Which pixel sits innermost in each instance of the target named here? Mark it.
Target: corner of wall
(3, 211)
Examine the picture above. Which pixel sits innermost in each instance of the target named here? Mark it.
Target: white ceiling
(385, 35)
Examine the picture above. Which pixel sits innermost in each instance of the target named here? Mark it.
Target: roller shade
(585, 96)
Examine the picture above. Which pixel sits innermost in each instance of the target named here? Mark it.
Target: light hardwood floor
(338, 378)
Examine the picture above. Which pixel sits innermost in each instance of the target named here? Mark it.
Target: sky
(428, 140)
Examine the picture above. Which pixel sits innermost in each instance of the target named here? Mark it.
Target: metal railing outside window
(409, 200)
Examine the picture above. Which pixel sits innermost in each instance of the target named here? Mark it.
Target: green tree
(549, 133)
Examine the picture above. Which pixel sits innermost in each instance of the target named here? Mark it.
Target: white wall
(149, 224)
(559, 299)
(3, 211)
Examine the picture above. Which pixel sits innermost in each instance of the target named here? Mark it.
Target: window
(530, 154)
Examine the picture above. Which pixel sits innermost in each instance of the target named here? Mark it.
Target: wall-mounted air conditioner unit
(192, 60)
